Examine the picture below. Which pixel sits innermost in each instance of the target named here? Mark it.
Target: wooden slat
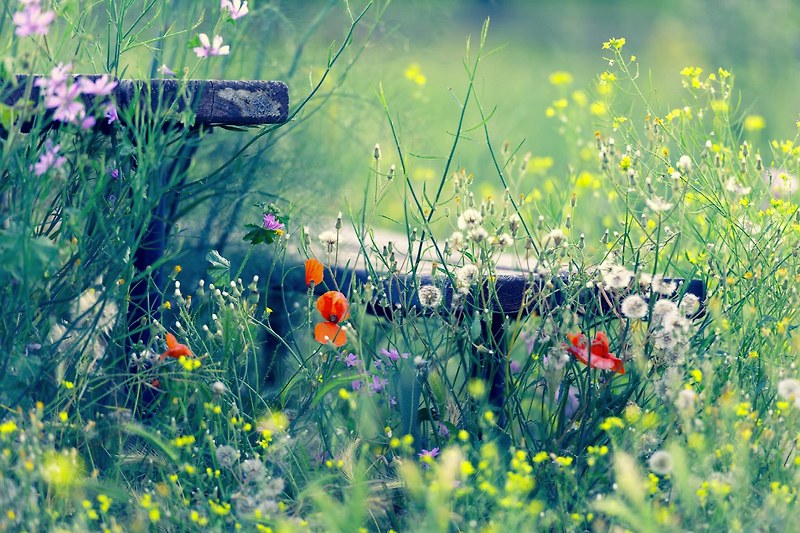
(223, 102)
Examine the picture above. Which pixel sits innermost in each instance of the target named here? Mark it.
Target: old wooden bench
(211, 103)
(514, 294)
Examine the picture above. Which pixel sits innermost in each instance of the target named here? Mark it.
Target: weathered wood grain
(214, 102)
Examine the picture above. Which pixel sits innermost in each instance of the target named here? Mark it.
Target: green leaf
(259, 234)
(220, 269)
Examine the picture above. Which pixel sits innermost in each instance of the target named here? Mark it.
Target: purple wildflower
(356, 385)
(208, 49)
(377, 384)
(114, 173)
(272, 223)
(235, 8)
(428, 455)
(49, 159)
(515, 367)
(32, 20)
(164, 70)
(392, 401)
(351, 360)
(393, 354)
(111, 113)
(442, 430)
(573, 401)
(88, 122)
(102, 86)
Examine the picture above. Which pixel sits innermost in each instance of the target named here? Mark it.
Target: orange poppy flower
(314, 271)
(334, 308)
(596, 355)
(175, 349)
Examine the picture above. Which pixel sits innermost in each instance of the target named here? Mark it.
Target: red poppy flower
(334, 308)
(314, 271)
(175, 349)
(596, 355)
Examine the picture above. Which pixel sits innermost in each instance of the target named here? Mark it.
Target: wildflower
(456, 241)
(227, 456)
(470, 219)
(236, 8)
(658, 205)
(504, 240)
(596, 355)
(428, 455)
(334, 308)
(690, 304)
(329, 239)
(684, 164)
(165, 71)
(789, 389)
(64, 99)
(560, 77)
(617, 277)
(477, 234)
(273, 224)
(102, 86)
(429, 296)
(733, 186)
(572, 400)
(687, 398)
(314, 272)
(754, 123)
(377, 383)
(465, 277)
(351, 360)
(781, 184)
(554, 238)
(253, 470)
(634, 306)
(514, 367)
(514, 223)
(219, 388)
(32, 20)
(414, 73)
(175, 349)
(49, 159)
(663, 308)
(393, 354)
(207, 49)
(662, 286)
(110, 113)
(660, 463)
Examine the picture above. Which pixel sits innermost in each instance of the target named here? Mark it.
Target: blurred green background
(416, 52)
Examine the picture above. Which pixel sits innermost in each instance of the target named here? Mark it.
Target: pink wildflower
(32, 20)
(64, 99)
(235, 8)
(208, 49)
(49, 159)
(99, 87)
(111, 113)
(272, 223)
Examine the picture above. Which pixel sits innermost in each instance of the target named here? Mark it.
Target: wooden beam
(214, 102)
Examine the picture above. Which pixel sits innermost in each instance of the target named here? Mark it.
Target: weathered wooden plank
(222, 102)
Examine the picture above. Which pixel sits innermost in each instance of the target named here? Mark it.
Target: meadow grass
(256, 409)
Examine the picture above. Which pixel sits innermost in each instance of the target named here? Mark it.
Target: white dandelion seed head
(470, 218)
(429, 296)
(684, 164)
(687, 399)
(328, 238)
(504, 240)
(477, 234)
(634, 306)
(617, 277)
(731, 185)
(465, 277)
(663, 287)
(661, 463)
(690, 304)
(554, 239)
(789, 389)
(664, 307)
(658, 204)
